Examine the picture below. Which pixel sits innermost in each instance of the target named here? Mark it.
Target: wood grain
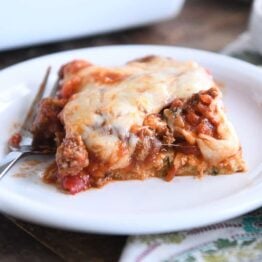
(16, 244)
(72, 246)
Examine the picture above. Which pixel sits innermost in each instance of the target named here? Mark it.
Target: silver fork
(26, 148)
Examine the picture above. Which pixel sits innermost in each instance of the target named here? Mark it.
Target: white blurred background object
(248, 46)
(27, 22)
(255, 26)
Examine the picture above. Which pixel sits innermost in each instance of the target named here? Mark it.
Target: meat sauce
(197, 114)
(15, 140)
(76, 169)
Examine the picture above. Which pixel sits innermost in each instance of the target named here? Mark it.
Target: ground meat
(47, 128)
(160, 128)
(192, 117)
(71, 156)
(152, 135)
(205, 127)
(197, 114)
(147, 141)
(154, 122)
(143, 148)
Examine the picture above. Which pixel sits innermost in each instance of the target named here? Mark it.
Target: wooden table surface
(203, 24)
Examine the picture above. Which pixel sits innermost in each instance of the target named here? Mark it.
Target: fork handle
(8, 161)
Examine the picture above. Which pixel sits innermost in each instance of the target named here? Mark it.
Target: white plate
(137, 207)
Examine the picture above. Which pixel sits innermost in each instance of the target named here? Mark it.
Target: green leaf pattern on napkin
(171, 238)
(237, 240)
(243, 248)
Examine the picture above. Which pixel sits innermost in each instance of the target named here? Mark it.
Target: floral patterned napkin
(237, 240)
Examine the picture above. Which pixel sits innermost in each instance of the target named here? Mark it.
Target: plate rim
(92, 226)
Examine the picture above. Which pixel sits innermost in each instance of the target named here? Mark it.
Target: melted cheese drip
(104, 113)
(217, 150)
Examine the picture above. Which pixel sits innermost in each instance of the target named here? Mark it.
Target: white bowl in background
(255, 26)
(24, 23)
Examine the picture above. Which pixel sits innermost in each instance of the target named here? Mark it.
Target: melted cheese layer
(103, 111)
